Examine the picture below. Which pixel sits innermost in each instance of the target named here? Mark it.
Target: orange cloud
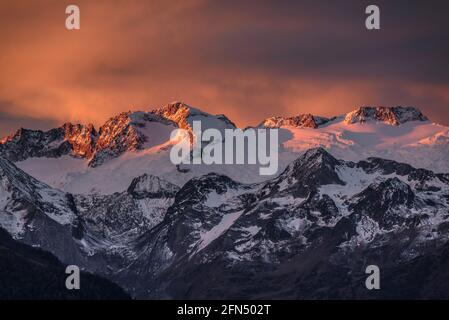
(249, 60)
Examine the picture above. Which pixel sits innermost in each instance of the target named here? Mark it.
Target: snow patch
(226, 222)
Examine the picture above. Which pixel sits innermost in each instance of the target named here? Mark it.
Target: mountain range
(364, 188)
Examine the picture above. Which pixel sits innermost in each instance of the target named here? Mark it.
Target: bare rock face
(389, 115)
(119, 134)
(128, 131)
(314, 168)
(116, 136)
(74, 139)
(302, 120)
(81, 138)
(177, 112)
(148, 186)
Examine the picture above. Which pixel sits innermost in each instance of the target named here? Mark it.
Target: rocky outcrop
(389, 115)
(303, 120)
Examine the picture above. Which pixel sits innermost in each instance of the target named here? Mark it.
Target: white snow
(415, 142)
(57, 199)
(14, 223)
(419, 143)
(215, 200)
(156, 134)
(251, 231)
(56, 172)
(286, 201)
(14, 184)
(154, 209)
(226, 222)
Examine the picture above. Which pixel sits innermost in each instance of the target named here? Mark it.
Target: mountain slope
(91, 231)
(133, 144)
(393, 116)
(303, 120)
(25, 202)
(126, 146)
(349, 193)
(30, 273)
(130, 132)
(308, 233)
(287, 239)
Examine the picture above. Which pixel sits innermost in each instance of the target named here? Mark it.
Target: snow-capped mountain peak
(130, 131)
(80, 159)
(149, 186)
(389, 115)
(184, 115)
(75, 139)
(24, 199)
(303, 120)
(314, 168)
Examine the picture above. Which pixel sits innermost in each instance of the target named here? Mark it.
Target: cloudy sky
(247, 59)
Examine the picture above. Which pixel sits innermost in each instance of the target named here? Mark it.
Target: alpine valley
(370, 187)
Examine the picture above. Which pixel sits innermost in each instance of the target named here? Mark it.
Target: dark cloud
(10, 122)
